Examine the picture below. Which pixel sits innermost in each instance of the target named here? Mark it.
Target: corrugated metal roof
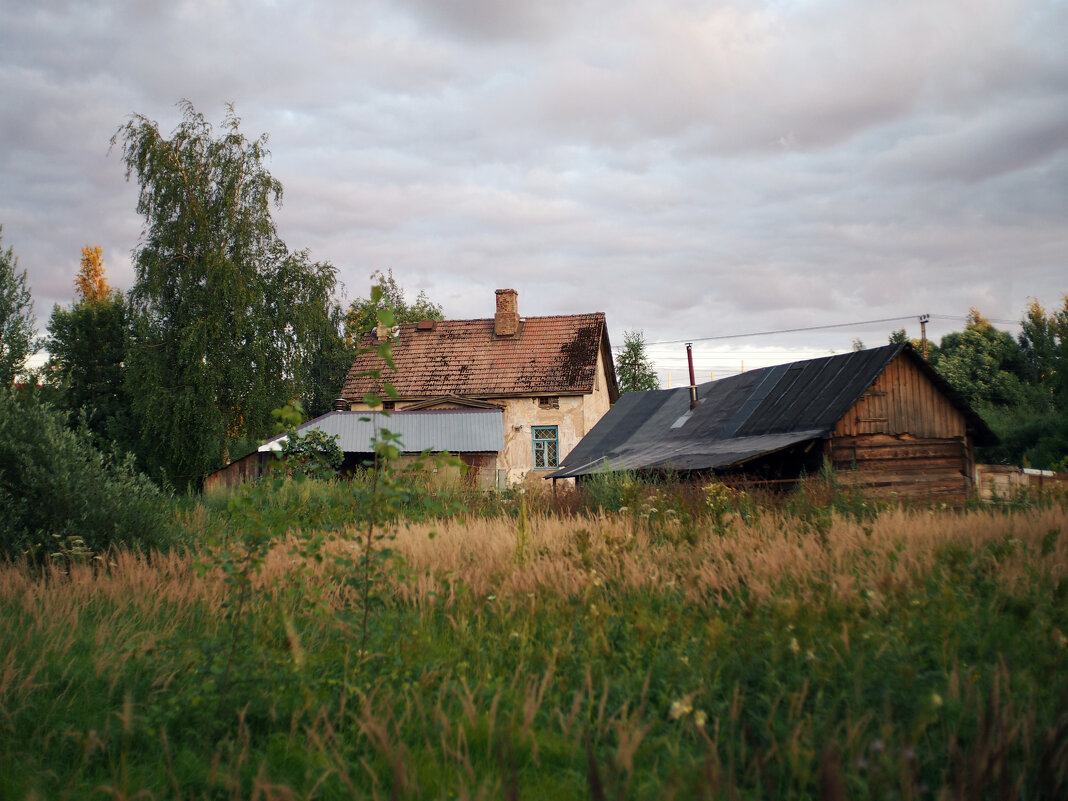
(738, 418)
(452, 430)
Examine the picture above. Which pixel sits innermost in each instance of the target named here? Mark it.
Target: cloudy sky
(695, 169)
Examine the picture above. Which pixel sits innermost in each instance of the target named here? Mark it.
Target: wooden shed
(884, 418)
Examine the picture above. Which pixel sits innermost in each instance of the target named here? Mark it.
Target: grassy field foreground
(914, 655)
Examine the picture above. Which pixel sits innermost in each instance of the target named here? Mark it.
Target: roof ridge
(523, 317)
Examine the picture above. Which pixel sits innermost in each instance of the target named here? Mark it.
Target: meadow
(655, 646)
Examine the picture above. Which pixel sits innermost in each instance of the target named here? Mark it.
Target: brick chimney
(506, 321)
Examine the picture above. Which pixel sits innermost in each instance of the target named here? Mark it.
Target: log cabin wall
(904, 438)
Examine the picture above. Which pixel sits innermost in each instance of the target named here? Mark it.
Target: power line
(780, 331)
(816, 328)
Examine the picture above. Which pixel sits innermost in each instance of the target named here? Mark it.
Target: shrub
(60, 492)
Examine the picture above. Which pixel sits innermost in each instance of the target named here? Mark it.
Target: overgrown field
(771, 654)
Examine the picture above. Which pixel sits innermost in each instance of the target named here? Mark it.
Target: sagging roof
(742, 417)
(450, 430)
(547, 356)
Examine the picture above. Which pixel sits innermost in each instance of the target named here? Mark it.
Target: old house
(883, 417)
(552, 378)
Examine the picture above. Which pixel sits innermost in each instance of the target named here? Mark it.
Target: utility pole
(924, 318)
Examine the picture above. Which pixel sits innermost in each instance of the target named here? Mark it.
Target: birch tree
(224, 314)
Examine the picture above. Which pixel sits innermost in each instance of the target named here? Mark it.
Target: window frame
(540, 446)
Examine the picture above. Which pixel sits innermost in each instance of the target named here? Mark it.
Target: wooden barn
(884, 418)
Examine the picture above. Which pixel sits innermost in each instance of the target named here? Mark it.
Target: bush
(59, 492)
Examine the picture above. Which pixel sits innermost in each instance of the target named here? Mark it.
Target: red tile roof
(548, 356)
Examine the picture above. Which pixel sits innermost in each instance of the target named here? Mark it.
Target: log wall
(915, 469)
(903, 438)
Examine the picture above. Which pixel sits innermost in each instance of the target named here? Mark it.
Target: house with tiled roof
(552, 377)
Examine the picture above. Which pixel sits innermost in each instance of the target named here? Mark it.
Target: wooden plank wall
(903, 401)
(904, 438)
(249, 468)
(924, 469)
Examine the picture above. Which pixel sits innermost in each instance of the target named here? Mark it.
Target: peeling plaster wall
(596, 405)
(521, 415)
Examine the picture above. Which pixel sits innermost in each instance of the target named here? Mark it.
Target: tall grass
(910, 654)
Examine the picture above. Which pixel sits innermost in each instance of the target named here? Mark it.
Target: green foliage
(634, 369)
(983, 364)
(17, 327)
(1019, 387)
(329, 357)
(87, 346)
(1031, 435)
(1044, 342)
(225, 317)
(59, 491)
(612, 490)
(362, 315)
(312, 453)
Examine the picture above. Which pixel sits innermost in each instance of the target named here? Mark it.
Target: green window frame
(546, 441)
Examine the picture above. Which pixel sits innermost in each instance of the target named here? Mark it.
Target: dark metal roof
(741, 417)
(449, 430)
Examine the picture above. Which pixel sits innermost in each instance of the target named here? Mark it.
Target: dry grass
(567, 556)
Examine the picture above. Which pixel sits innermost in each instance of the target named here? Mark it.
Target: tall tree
(90, 284)
(983, 364)
(224, 315)
(1044, 342)
(362, 318)
(87, 347)
(18, 331)
(634, 370)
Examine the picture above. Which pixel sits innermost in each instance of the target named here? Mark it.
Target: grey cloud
(1014, 137)
(688, 167)
(492, 20)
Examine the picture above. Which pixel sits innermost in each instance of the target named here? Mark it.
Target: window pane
(545, 446)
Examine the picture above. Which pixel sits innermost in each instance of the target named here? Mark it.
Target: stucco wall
(596, 405)
(520, 417)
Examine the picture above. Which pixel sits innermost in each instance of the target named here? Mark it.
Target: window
(551, 402)
(545, 453)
